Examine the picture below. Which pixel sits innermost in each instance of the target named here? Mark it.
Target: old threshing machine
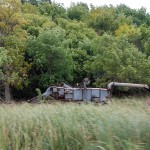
(67, 92)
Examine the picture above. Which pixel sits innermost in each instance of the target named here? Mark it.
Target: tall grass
(116, 126)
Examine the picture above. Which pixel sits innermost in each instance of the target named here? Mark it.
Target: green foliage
(79, 38)
(39, 97)
(35, 2)
(147, 47)
(139, 16)
(102, 19)
(132, 33)
(53, 10)
(145, 34)
(121, 19)
(3, 59)
(51, 56)
(12, 41)
(78, 11)
(29, 8)
(76, 32)
(118, 60)
(9, 16)
(36, 23)
(107, 43)
(14, 69)
(3, 55)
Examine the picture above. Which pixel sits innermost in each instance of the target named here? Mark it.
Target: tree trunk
(7, 93)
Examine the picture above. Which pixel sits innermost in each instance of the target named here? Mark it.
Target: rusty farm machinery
(68, 93)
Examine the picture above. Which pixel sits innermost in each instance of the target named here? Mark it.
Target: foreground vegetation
(121, 125)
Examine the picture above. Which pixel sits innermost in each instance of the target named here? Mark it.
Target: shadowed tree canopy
(118, 60)
(78, 11)
(139, 16)
(43, 43)
(35, 2)
(52, 10)
(51, 57)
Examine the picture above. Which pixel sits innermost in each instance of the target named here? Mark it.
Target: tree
(131, 32)
(29, 8)
(118, 60)
(12, 41)
(145, 40)
(35, 2)
(102, 19)
(53, 10)
(78, 11)
(76, 31)
(50, 57)
(79, 39)
(35, 23)
(121, 19)
(139, 16)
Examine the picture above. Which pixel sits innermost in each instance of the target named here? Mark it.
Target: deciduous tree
(51, 57)
(12, 42)
(78, 11)
(118, 60)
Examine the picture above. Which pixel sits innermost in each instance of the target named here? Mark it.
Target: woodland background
(43, 43)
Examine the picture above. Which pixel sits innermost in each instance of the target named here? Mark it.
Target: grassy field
(120, 125)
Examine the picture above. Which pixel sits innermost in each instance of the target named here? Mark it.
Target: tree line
(43, 43)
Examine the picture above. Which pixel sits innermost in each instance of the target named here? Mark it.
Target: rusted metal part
(86, 82)
(77, 94)
(110, 85)
(68, 93)
(33, 100)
